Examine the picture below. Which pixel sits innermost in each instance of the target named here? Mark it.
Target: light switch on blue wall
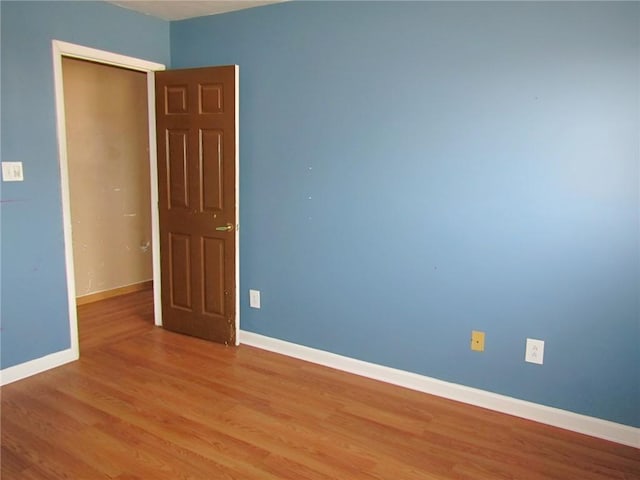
(12, 172)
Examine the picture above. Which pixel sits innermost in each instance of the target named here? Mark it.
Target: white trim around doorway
(64, 49)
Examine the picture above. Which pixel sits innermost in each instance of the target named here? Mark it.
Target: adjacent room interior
(109, 179)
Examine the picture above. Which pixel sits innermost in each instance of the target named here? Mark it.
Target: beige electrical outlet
(477, 341)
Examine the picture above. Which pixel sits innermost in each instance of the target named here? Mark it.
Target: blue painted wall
(35, 318)
(413, 171)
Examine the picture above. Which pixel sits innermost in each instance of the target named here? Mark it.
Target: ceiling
(181, 9)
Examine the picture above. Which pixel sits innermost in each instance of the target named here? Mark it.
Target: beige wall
(108, 157)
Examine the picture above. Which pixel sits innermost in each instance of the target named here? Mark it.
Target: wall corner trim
(39, 365)
(556, 417)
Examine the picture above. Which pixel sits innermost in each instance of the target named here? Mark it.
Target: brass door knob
(227, 228)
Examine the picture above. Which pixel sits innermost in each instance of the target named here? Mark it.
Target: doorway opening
(109, 180)
(61, 52)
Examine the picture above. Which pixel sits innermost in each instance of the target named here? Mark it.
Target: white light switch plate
(254, 298)
(12, 172)
(535, 351)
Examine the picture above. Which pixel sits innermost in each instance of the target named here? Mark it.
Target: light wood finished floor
(143, 403)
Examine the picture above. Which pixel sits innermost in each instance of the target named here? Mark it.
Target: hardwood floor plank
(13, 465)
(47, 460)
(143, 403)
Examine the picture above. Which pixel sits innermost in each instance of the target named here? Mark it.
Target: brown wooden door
(197, 193)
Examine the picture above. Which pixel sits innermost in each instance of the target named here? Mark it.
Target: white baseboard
(26, 369)
(556, 417)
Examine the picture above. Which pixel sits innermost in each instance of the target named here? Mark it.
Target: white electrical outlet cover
(254, 298)
(534, 351)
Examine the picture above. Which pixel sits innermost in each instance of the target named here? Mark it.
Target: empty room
(320, 240)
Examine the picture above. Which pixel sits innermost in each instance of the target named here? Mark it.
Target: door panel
(213, 253)
(197, 138)
(180, 271)
(212, 168)
(177, 169)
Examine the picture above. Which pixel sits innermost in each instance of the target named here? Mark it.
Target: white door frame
(64, 49)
